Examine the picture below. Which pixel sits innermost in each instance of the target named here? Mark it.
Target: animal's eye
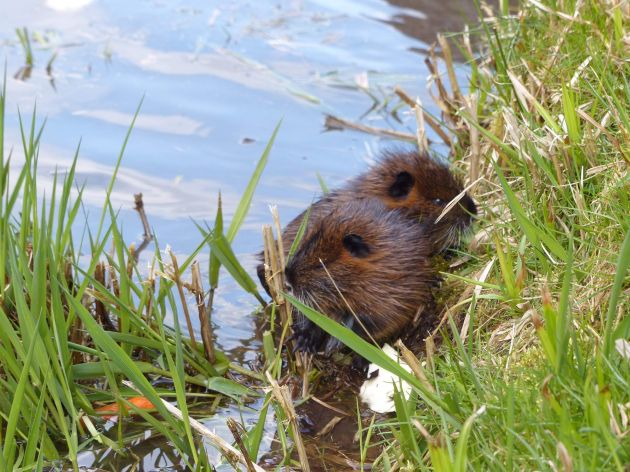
(356, 246)
(438, 202)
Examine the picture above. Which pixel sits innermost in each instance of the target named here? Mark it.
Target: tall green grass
(58, 358)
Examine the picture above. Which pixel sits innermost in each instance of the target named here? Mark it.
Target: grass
(528, 376)
(530, 373)
(74, 336)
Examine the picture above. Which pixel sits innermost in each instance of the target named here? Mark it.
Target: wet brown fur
(383, 284)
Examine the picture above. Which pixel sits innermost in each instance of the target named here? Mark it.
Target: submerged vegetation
(533, 371)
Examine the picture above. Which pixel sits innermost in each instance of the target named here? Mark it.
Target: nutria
(421, 187)
(364, 266)
(417, 185)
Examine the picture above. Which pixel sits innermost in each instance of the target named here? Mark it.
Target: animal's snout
(469, 205)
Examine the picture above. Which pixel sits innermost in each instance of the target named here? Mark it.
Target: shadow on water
(215, 80)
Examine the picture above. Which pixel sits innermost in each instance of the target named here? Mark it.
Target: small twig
(229, 452)
(233, 426)
(204, 318)
(180, 289)
(99, 306)
(333, 122)
(147, 236)
(330, 407)
(328, 427)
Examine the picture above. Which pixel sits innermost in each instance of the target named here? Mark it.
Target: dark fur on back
(361, 260)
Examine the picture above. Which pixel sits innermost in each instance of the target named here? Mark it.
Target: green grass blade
(248, 194)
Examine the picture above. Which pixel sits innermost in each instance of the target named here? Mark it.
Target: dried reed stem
(180, 289)
(283, 397)
(204, 318)
(333, 122)
(99, 307)
(274, 274)
(448, 59)
(233, 426)
(414, 364)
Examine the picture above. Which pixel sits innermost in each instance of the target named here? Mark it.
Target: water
(216, 77)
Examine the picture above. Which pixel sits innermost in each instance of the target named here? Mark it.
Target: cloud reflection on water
(170, 124)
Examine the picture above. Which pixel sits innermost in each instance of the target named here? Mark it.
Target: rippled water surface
(216, 77)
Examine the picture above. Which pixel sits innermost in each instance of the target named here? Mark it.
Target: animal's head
(423, 188)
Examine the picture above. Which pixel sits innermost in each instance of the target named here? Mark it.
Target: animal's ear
(401, 186)
(355, 245)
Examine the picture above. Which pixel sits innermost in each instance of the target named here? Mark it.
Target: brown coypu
(417, 185)
(363, 265)
(421, 187)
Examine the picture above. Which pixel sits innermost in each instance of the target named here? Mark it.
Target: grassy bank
(532, 374)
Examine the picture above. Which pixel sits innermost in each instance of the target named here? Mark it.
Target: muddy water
(216, 77)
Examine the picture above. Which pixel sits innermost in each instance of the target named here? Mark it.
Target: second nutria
(363, 265)
(421, 187)
(415, 184)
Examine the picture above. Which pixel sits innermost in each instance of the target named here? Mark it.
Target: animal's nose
(470, 206)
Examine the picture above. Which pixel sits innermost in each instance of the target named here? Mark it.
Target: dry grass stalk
(204, 318)
(333, 122)
(280, 243)
(114, 285)
(176, 277)
(234, 429)
(329, 406)
(232, 454)
(305, 361)
(414, 364)
(274, 273)
(283, 397)
(448, 59)
(442, 100)
(150, 282)
(421, 134)
(435, 126)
